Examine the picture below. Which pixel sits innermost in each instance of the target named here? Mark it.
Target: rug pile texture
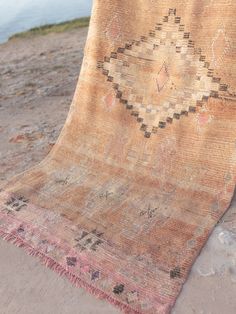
(146, 163)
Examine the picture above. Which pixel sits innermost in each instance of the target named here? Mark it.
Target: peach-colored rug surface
(146, 163)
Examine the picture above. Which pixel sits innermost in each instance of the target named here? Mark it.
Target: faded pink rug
(146, 163)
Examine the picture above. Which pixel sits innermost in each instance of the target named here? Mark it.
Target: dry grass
(53, 28)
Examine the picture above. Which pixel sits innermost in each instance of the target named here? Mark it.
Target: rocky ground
(38, 76)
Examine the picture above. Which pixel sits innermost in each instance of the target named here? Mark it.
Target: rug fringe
(55, 266)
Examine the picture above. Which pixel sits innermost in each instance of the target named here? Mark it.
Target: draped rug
(146, 163)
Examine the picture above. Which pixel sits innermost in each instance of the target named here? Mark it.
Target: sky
(20, 15)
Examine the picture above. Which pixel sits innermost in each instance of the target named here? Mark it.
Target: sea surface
(20, 15)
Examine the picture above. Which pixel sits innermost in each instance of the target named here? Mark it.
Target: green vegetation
(54, 28)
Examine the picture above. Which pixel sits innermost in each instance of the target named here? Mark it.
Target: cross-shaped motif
(15, 204)
(149, 212)
(105, 195)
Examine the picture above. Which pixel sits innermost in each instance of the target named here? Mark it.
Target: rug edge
(63, 272)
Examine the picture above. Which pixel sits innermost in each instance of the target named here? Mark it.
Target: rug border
(63, 272)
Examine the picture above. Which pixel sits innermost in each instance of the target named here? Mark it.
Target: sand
(38, 79)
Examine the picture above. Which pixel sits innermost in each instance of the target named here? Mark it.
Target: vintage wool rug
(146, 163)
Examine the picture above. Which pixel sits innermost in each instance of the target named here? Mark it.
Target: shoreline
(52, 28)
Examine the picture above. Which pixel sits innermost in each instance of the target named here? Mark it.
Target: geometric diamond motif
(162, 76)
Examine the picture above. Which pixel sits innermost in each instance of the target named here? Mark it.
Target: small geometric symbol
(118, 289)
(15, 204)
(175, 273)
(162, 77)
(71, 261)
(89, 241)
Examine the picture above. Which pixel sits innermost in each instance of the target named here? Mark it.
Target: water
(20, 15)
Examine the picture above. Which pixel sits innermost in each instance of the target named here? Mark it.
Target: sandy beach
(38, 76)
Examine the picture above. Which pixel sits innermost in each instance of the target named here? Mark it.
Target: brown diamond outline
(197, 51)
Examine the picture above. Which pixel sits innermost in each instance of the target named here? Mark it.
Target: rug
(146, 163)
